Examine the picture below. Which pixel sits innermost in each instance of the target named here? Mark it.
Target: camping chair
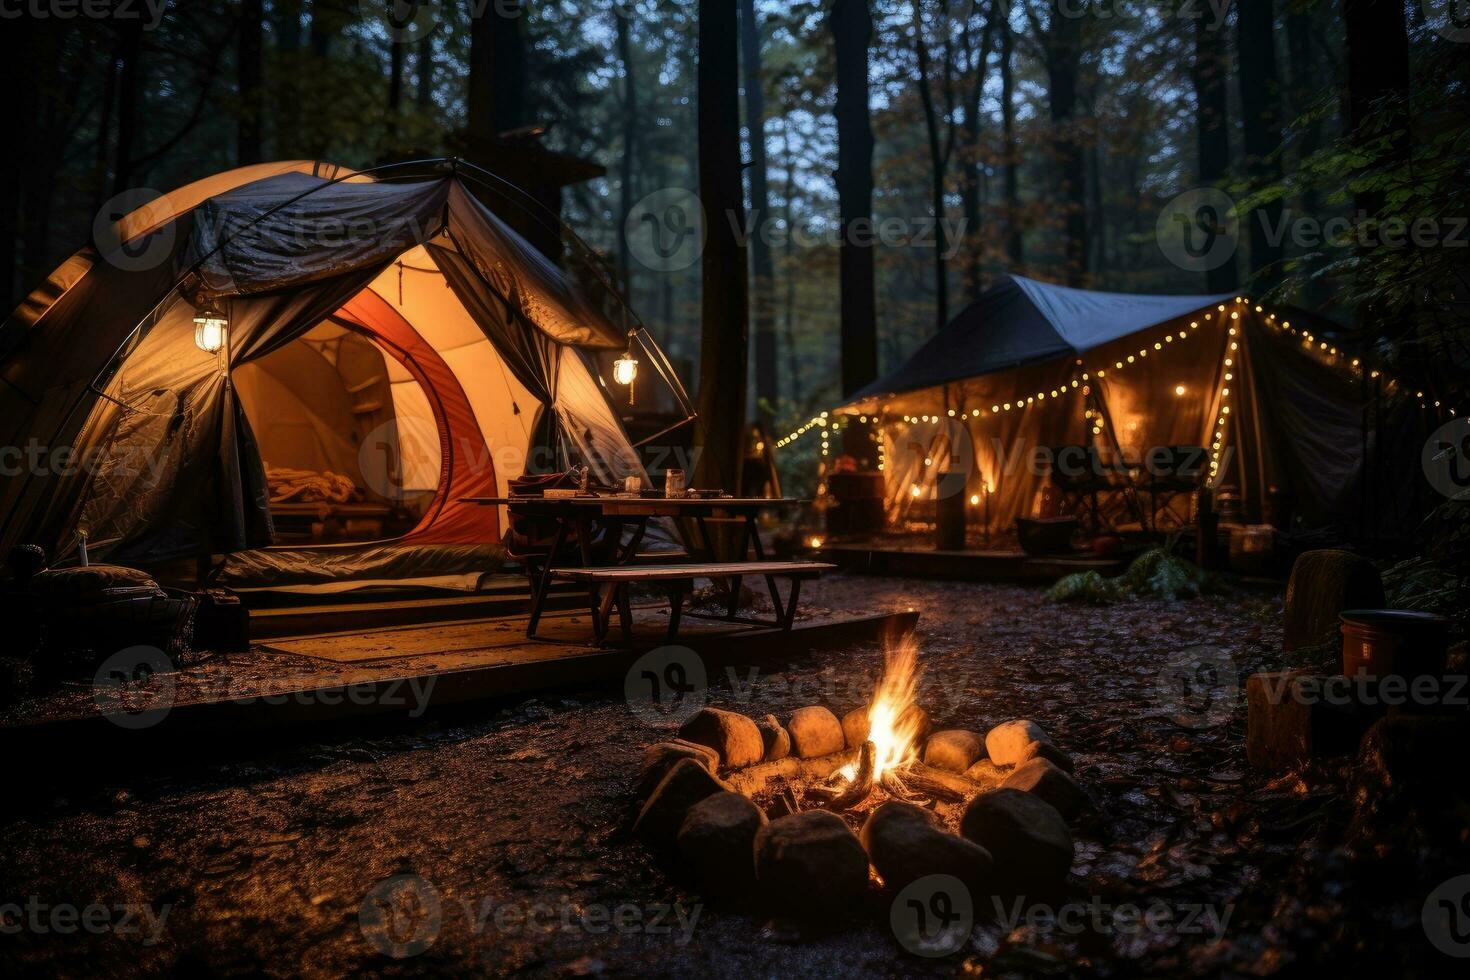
(1077, 474)
(1169, 471)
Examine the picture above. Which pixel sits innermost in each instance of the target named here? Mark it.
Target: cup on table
(673, 483)
(632, 484)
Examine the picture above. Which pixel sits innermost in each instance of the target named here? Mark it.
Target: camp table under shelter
(625, 519)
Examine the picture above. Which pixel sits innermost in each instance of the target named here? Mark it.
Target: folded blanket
(289, 485)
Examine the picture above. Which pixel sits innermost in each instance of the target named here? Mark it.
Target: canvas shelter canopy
(1032, 366)
(486, 344)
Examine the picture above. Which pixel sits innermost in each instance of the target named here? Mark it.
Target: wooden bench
(678, 580)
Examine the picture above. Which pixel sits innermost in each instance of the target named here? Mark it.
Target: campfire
(888, 758)
(809, 811)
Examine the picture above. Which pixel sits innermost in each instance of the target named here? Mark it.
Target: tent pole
(664, 431)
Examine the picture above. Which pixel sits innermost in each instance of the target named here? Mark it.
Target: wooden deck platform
(973, 566)
(387, 676)
(336, 613)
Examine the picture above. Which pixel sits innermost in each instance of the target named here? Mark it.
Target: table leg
(605, 609)
(733, 584)
(625, 613)
(676, 608)
(791, 601)
(631, 551)
(538, 592)
(584, 543)
(753, 535)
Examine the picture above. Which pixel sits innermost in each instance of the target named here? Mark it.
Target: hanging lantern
(210, 327)
(625, 369)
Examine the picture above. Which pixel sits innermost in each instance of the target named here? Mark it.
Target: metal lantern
(210, 328)
(625, 370)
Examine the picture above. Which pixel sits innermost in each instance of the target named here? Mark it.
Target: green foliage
(1083, 587)
(1422, 585)
(1154, 574)
(1400, 268)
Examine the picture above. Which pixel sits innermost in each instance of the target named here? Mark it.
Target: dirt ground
(516, 827)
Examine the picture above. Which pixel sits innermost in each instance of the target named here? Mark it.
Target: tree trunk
(1306, 74)
(1260, 108)
(630, 141)
(1378, 85)
(395, 92)
(325, 23)
(938, 161)
(497, 85)
(1064, 57)
(762, 270)
(1015, 245)
(425, 72)
(970, 156)
(21, 81)
(1212, 127)
(723, 339)
(129, 98)
(851, 23)
(286, 21)
(102, 151)
(249, 45)
(793, 359)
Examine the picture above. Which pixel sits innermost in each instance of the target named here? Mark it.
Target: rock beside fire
(986, 773)
(659, 759)
(1027, 837)
(1006, 743)
(1049, 752)
(1047, 781)
(810, 865)
(906, 843)
(855, 727)
(717, 840)
(815, 731)
(775, 739)
(684, 785)
(954, 750)
(734, 736)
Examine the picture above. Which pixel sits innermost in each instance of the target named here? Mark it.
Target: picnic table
(626, 516)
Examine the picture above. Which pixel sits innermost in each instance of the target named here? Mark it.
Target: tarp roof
(1021, 321)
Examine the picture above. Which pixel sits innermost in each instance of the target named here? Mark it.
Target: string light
(1322, 349)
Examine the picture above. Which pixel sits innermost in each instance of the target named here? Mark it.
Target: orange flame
(893, 720)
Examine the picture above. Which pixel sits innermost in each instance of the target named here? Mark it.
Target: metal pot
(1400, 643)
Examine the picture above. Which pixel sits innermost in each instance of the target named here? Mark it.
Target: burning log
(894, 787)
(759, 777)
(939, 784)
(862, 783)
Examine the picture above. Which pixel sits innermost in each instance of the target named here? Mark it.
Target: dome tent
(141, 437)
(1033, 366)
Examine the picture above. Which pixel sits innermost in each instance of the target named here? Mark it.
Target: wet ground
(514, 826)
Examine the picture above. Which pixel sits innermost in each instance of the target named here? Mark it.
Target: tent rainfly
(1031, 366)
(392, 341)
